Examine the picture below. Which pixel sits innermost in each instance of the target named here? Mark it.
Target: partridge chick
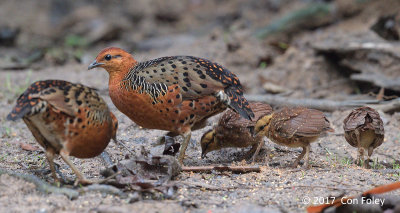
(176, 93)
(363, 128)
(294, 127)
(66, 119)
(233, 130)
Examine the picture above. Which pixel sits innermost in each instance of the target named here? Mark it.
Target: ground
(276, 188)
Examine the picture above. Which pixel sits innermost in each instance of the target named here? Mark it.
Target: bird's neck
(118, 74)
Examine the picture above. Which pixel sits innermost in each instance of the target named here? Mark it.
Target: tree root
(41, 185)
(44, 187)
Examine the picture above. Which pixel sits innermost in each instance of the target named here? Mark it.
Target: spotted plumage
(294, 127)
(175, 93)
(233, 130)
(66, 119)
(363, 128)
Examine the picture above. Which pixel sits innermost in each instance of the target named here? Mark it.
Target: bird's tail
(238, 102)
(23, 107)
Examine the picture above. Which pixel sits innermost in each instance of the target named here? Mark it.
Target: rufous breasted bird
(66, 119)
(294, 127)
(176, 93)
(363, 129)
(233, 130)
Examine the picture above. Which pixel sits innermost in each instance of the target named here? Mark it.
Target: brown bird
(176, 93)
(66, 119)
(294, 127)
(363, 128)
(233, 130)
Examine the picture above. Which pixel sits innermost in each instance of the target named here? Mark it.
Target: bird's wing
(61, 95)
(355, 119)
(302, 122)
(194, 77)
(30, 103)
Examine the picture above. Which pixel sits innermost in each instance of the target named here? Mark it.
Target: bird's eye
(262, 127)
(107, 57)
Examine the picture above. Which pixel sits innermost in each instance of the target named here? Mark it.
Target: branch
(326, 105)
(41, 185)
(205, 185)
(236, 169)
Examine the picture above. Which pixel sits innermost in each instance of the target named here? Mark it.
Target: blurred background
(295, 48)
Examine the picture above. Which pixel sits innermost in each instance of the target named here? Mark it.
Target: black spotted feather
(196, 78)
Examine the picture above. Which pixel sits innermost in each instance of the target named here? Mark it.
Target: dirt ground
(290, 62)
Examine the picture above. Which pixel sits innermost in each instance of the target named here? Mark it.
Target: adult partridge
(363, 128)
(233, 130)
(294, 127)
(66, 119)
(176, 93)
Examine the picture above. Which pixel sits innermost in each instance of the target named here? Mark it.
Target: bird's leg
(50, 158)
(79, 177)
(365, 161)
(257, 150)
(307, 157)
(250, 153)
(370, 150)
(360, 155)
(184, 146)
(296, 162)
(360, 158)
(106, 158)
(124, 146)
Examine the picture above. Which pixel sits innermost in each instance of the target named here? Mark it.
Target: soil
(227, 39)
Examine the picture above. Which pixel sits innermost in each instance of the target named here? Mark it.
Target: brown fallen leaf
(28, 147)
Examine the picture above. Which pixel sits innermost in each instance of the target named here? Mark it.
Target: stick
(236, 169)
(205, 185)
(326, 105)
(41, 185)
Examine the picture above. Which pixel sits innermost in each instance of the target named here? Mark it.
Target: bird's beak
(94, 64)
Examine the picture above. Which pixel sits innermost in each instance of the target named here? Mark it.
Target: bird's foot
(83, 181)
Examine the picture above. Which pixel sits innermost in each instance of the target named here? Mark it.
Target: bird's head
(208, 143)
(113, 60)
(262, 125)
(114, 123)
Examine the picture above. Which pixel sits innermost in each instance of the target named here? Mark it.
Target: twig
(204, 185)
(236, 169)
(41, 185)
(327, 105)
